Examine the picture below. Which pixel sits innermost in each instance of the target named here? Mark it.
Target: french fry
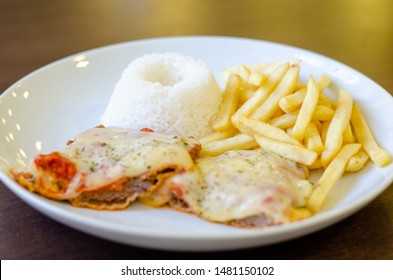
(262, 69)
(261, 94)
(330, 176)
(357, 162)
(303, 192)
(215, 136)
(237, 142)
(228, 104)
(305, 169)
(324, 100)
(297, 214)
(293, 101)
(312, 139)
(278, 113)
(268, 68)
(284, 121)
(340, 121)
(298, 123)
(299, 86)
(306, 110)
(256, 79)
(243, 72)
(284, 88)
(246, 92)
(288, 120)
(324, 129)
(323, 82)
(319, 126)
(348, 136)
(289, 151)
(316, 164)
(227, 72)
(252, 127)
(365, 137)
(322, 113)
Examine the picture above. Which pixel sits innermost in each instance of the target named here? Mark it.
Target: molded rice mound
(169, 93)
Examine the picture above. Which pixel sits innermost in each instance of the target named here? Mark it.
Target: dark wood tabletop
(35, 33)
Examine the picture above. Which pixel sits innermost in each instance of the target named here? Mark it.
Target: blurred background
(357, 32)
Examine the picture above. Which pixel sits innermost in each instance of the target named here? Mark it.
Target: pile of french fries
(265, 105)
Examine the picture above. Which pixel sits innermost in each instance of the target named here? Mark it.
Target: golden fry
(289, 151)
(293, 101)
(280, 114)
(324, 100)
(340, 121)
(288, 120)
(261, 94)
(316, 164)
(243, 72)
(256, 79)
(246, 92)
(322, 113)
(318, 125)
(348, 136)
(312, 139)
(237, 142)
(284, 88)
(330, 176)
(324, 129)
(284, 121)
(228, 104)
(252, 127)
(268, 68)
(357, 162)
(215, 136)
(297, 214)
(306, 110)
(323, 82)
(365, 137)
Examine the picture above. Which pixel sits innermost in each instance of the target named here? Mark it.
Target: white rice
(169, 93)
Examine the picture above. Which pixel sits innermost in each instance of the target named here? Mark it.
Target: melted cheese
(104, 155)
(241, 184)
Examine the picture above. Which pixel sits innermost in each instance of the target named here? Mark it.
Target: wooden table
(34, 33)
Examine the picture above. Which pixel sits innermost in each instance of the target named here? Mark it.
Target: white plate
(42, 111)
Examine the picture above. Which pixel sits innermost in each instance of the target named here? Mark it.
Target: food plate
(43, 110)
